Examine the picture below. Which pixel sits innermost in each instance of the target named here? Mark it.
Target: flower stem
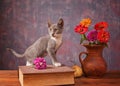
(83, 37)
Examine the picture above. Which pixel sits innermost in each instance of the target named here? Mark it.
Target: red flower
(81, 29)
(103, 36)
(101, 26)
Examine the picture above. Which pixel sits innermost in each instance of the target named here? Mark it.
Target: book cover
(29, 76)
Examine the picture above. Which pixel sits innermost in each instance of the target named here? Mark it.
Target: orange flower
(101, 26)
(103, 36)
(85, 22)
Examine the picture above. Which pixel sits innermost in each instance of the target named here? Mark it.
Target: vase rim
(92, 45)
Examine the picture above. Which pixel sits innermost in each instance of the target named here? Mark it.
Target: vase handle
(81, 61)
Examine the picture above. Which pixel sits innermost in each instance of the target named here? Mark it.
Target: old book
(29, 76)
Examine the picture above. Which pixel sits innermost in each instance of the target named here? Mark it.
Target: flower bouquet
(98, 36)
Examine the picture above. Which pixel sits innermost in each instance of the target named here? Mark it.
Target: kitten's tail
(15, 53)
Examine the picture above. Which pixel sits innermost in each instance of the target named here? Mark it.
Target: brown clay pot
(93, 65)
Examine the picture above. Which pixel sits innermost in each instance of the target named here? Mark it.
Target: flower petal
(80, 29)
(85, 22)
(101, 26)
(103, 36)
(92, 35)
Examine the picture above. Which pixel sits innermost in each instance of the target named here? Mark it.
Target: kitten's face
(56, 29)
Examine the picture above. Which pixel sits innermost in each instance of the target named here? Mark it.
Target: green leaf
(106, 45)
(83, 37)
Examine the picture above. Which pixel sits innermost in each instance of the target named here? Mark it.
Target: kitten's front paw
(29, 64)
(57, 64)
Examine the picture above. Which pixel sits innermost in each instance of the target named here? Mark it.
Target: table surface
(10, 78)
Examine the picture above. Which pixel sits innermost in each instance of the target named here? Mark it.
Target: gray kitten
(48, 44)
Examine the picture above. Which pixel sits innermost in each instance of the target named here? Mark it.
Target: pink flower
(40, 63)
(92, 35)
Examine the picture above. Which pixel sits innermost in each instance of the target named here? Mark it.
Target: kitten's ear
(49, 23)
(60, 22)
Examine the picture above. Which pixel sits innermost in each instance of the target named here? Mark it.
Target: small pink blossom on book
(40, 63)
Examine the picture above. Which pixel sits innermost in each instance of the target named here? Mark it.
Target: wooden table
(10, 78)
